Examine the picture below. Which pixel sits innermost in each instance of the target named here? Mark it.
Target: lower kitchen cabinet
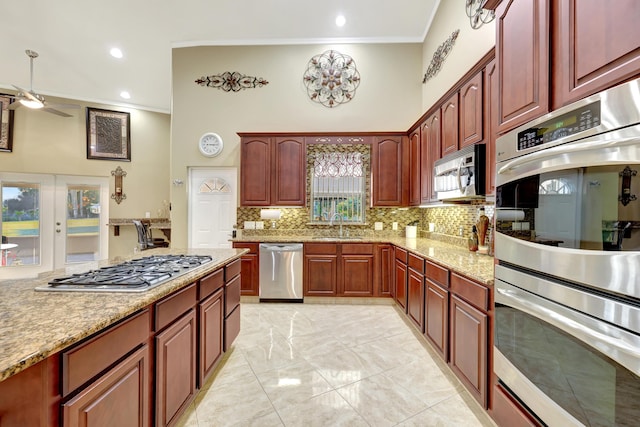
(320, 269)
(211, 315)
(507, 411)
(233, 278)
(175, 368)
(415, 291)
(384, 270)
(436, 318)
(250, 268)
(400, 278)
(356, 270)
(120, 397)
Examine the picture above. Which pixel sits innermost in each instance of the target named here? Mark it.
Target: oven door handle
(590, 146)
(618, 344)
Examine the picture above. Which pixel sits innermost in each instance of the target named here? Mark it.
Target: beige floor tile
(328, 409)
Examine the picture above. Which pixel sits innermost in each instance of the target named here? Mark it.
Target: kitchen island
(41, 330)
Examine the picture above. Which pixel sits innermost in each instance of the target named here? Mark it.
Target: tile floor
(330, 365)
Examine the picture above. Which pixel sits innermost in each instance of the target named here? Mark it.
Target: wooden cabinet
(471, 109)
(415, 168)
(250, 272)
(384, 270)
(436, 327)
(320, 269)
(272, 171)
(356, 270)
(450, 131)
(469, 333)
(389, 171)
(119, 397)
(596, 45)
(491, 124)
(232, 293)
(522, 55)
(430, 145)
(506, 411)
(415, 291)
(400, 282)
(211, 321)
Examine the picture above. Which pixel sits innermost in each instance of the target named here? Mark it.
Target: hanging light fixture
(477, 14)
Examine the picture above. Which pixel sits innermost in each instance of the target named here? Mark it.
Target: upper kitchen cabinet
(490, 124)
(522, 55)
(429, 152)
(389, 156)
(414, 168)
(471, 103)
(450, 132)
(272, 171)
(595, 46)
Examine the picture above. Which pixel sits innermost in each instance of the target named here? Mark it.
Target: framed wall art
(6, 123)
(108, 135)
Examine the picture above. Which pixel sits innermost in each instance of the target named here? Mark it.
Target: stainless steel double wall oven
(567, 283)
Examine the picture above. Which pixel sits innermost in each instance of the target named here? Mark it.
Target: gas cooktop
(137, 275)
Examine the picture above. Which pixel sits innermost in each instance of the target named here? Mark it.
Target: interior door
(81, 217)
(212, 206)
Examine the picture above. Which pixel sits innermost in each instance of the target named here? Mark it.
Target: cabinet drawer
(253, 247)
(211, 283)
(231, 295)
(87, 360)
(232, 269)
(416, 263)
(321, 248)
(401, 255)
(231, 328)
(174, 306)
(437, 274)
(472, 292)
(357, 249)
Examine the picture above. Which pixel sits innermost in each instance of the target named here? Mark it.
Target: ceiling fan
(34, 100)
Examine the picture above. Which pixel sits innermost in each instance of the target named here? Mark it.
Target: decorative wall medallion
(331, 78)
(439, 56)
(231, 81)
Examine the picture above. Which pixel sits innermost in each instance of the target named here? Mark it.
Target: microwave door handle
(584, 147)
(459, 176)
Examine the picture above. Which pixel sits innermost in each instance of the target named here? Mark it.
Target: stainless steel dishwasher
(281, 272)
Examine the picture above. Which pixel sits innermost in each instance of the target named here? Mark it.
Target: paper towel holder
(271, 214)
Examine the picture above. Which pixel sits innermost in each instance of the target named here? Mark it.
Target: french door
(52, 221)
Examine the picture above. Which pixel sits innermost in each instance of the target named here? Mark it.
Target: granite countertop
(456, 258)
(35, 325)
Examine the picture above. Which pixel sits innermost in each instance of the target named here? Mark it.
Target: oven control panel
(576, 121)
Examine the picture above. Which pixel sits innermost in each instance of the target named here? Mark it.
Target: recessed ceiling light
(341, 20)
(124, 94)
(115, 52)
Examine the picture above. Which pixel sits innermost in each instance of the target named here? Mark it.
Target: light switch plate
(259, 225)
(378, 226)
(249, 225)
(394, 226)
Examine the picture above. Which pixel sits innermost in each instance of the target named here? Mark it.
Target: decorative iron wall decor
(6, 123)
(331, 78)
(231, 81)
(439, 56)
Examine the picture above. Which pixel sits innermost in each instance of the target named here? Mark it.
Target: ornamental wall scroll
(331, 78)
(231, 81)
(439, 56)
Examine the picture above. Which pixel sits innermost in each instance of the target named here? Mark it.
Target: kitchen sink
(337, 238)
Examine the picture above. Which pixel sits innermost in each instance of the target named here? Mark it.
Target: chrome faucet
(341, 221)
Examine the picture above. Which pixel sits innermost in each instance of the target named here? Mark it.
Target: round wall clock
(210, 144)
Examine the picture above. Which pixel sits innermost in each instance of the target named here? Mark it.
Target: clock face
(210, 144)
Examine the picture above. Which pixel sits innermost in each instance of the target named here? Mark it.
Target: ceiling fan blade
(25, 94)
(54, 111)
(66, 106)
(15, 104)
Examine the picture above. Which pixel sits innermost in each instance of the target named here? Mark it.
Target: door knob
(58, 230)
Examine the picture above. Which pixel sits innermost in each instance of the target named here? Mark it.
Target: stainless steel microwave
(461, 175)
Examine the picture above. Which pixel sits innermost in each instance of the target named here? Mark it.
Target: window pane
(20, 224)
(83, 223)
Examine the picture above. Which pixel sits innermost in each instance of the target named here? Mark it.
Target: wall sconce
(477, 14)
(119, 195)
(271, 214)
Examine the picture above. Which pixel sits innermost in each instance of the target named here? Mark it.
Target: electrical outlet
(516, 226)
(249, 225)
(259, 225)
(525, 226)
(394, 226)
(378, 226)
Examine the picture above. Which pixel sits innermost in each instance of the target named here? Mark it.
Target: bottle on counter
(473, 239)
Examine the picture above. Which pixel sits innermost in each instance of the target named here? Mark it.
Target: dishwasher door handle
(281, 248)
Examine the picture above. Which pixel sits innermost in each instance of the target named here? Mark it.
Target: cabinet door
(390, 178)
(255, 172)
(522, 55)
(321, 275)
(414, 168)
(491, 124)
(469, 348)
(120, 397)
(450, 132)
(471, 111)
(356, 276)
(415, 298)
(430, 145)
(384, 270)
(596, 45)
(249, 269)
(401, 284)
(436, 317)
(289, 165)
(175, 368)
(211, 314)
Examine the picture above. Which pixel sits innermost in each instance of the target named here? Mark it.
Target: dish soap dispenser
(473, 239)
